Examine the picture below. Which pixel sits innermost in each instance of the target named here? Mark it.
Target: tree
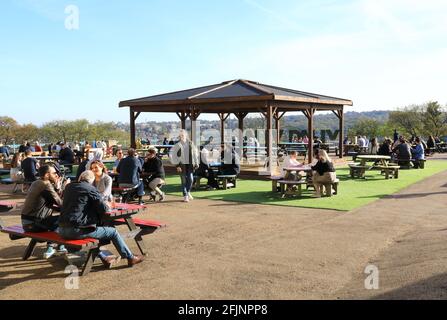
(365, 127)
(409, 119)
(434, 119)
(8, 129)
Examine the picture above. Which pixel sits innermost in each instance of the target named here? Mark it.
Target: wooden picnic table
(383, 160)
(126, 211)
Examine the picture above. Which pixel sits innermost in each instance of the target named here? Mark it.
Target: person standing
(185, 156)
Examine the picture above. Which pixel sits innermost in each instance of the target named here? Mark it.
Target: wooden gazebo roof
(239, 97)
(235, 96)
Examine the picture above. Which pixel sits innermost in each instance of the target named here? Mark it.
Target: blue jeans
(101, 233)
(187, 181)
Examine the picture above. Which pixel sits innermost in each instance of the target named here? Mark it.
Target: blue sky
(382, 54)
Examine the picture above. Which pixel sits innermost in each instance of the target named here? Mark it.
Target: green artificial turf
(352, 193)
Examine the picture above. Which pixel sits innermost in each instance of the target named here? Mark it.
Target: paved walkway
(225, 250)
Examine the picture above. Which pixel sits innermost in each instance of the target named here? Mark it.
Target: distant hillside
(157, 130)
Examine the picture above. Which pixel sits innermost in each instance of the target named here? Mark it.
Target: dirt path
(225, 250)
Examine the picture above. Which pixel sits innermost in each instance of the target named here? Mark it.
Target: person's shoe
(162, 197)
(190, 196)
(110, 261)
(62, 250)
(49, 253)
(135, 260)
(185, 199)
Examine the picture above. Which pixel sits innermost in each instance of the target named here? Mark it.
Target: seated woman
(153, 168)
(385, 148)
(16, 169)
(290, 161)
(324, 172)
(103, 182)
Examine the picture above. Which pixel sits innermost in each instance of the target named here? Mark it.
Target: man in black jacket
(81, 215)
(155, 173)
(129, 169)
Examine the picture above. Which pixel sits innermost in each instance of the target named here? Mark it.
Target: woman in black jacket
(324, 172)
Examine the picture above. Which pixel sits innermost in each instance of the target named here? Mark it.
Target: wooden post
(269, 137)
(183, 116)
(341, 124)
(341, 134)
(194, 136)
(278, 117)
(240, 117)
(223, 116)
(310, 131)
(133, 143)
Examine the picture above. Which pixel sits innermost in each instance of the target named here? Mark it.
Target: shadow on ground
(428, 289)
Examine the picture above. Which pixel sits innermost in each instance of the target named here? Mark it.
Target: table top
(298, 168)
(121, 209)
(373, 157)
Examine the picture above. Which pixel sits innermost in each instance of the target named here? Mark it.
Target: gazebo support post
(194, 135)
(310, 131)
(278, 117)
(341, 123)
(133, 118)
(183, 116)
(223, 116)
(269, 135)
(240, 117)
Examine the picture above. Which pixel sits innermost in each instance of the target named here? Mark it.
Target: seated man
(153, 167)
(66, 156)
(81, 216)
(29, 167)
(39, 205)
(129, 170)
(418, 152)
(231, 162)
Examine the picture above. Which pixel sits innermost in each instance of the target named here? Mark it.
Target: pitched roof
(234, 90)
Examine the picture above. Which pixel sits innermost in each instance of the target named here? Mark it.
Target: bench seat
(226, 180)
(90, 245)
(275, 179)
(286, 184)
(7, 206)
(148, 226)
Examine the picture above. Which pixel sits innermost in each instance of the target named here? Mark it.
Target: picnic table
(119, 214)
(122, 213)
(290, 180)
(383, 160)
(379, 163)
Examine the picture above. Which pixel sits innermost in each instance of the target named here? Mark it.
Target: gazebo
(240, 97)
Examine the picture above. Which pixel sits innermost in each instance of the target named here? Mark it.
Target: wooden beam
(341, 134)
(268, 140)
(310, 132)
(136, 115)
(133, 141)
